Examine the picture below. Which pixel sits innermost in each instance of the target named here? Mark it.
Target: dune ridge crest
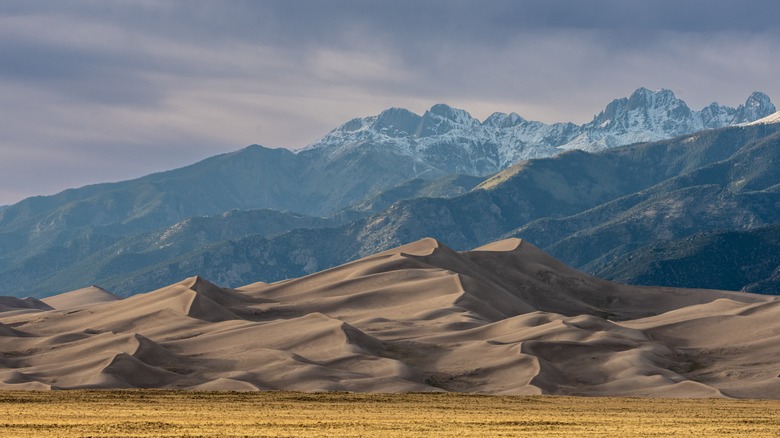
(504, 318)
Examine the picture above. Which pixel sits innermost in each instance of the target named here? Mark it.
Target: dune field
(503, 319)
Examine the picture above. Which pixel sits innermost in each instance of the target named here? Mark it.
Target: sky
(96, 91)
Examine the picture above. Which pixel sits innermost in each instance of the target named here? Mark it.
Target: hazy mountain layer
(58, 268)
(444, 187)
(733, 260)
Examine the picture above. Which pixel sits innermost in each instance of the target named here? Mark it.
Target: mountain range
(382, 181)
(578, 200)
(450, 140)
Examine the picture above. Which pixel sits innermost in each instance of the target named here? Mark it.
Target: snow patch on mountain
(772, 118)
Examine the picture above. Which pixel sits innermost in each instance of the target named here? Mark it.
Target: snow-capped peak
(644, 116)
(396, 122)
(456, 115)
(502, 120)
(758, 100)
(756, 106)
(451, 140)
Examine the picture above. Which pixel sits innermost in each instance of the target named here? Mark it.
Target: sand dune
(17, 305)
(505, 318)
(79, 298)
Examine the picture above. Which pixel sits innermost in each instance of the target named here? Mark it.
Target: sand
(505, 318)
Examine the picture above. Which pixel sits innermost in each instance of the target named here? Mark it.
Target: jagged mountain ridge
(451, 140)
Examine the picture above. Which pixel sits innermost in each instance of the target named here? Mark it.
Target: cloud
(94, 91)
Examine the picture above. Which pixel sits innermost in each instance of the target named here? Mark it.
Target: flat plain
(141, 413)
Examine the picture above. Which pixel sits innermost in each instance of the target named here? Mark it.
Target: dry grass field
(167, 413)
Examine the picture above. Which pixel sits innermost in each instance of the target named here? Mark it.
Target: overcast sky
(99, 91)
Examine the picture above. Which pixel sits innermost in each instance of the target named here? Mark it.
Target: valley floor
(186, 413)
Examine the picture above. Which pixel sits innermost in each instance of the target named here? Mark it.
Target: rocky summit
(449, 140)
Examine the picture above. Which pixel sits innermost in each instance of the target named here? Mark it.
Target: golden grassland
(177, 413)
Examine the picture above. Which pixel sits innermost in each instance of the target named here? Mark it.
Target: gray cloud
(97, 91)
